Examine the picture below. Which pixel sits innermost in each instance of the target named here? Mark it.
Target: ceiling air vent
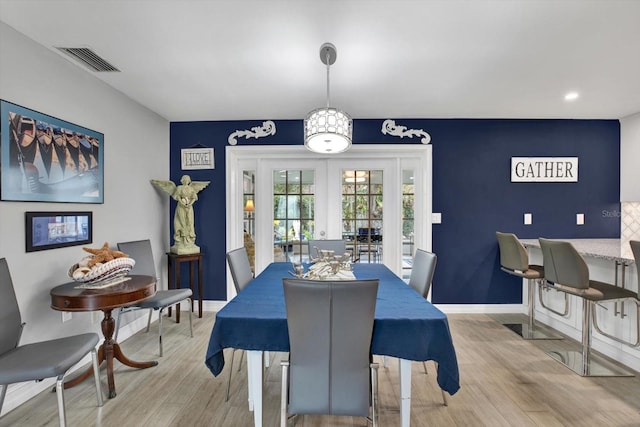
(88, 58)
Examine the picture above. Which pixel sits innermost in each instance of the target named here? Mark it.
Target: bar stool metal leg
(583, 362)
(529, 330)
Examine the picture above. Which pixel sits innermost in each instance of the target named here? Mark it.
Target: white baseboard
(212, 306)
(481, 308)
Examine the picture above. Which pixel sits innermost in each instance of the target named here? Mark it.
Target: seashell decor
(103, 264)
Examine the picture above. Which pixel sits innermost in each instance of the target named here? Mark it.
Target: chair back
(330, 328)
(513, 256)
(140, 251)
(424, 265)
(10, 320)
(338, 246)
(240, 268)
(563, 264)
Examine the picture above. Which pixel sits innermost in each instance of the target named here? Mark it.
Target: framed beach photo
(50, 230)
(46, 159)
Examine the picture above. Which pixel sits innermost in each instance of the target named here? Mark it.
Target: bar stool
(514, 260)
(566, 271)
(635, 248)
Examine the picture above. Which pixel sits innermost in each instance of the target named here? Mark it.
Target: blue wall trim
(471, 188)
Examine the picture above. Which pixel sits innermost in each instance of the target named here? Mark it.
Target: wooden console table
(174, 263)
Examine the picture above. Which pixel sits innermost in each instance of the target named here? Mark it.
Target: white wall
(629, 157)
(136, 149)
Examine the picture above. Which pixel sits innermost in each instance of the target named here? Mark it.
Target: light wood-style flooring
(505, 381)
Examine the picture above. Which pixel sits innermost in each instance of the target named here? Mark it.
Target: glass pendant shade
(327, 130)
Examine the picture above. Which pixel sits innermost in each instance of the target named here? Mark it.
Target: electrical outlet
(436, 218)
(580, 219)
(66, 316)
(528, 219)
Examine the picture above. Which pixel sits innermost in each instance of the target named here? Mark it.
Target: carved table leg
(107, 351)
(108, 328)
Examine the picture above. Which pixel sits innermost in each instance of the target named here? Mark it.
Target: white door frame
(406, 156)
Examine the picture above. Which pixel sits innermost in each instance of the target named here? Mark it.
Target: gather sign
(544, 169)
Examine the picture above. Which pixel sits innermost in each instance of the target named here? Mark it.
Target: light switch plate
(580, 219)
(436, 218)
(528, 218)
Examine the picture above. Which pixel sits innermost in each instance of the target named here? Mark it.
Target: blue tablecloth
(406, 325)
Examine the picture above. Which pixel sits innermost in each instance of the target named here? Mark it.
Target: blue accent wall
(472, 189)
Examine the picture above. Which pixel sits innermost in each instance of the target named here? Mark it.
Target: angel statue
(186, 194)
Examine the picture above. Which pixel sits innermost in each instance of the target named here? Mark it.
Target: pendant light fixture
(328, 130)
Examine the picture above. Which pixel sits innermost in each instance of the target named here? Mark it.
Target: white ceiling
(255, 59)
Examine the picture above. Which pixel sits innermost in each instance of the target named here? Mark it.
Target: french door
(361, 197)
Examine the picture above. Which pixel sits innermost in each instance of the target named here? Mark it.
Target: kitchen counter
(609, 249)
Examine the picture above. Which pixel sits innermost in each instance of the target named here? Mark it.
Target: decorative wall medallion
(389, 127)
(267, 128)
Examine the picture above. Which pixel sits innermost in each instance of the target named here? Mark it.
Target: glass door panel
(362, 211)
(294, 203)
(408, 222)
(248, 221)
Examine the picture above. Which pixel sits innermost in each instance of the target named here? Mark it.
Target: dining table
(406, 326)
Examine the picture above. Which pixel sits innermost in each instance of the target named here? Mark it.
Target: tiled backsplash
(629, 223)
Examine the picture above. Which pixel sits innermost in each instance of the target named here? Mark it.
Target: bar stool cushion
(533, 272)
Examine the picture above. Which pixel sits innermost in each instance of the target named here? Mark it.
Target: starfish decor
(104, 254)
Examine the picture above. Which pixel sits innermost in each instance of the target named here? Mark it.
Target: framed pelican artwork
(46, 159)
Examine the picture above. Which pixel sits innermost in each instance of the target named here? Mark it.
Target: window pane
(408, 223)
(308, 207)
(294, 211)
(362, 201)
(248, 221)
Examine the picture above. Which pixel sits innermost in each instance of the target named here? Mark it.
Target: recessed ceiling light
(571, 96)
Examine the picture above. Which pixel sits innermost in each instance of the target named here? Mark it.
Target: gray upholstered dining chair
(240, 267)
(514, 260)
(330, 326)
(141, 252)
(338, 246)
(241, 274)
(566, 270)
(39, 360)
(422, 270)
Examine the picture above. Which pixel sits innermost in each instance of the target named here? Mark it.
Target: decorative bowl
(108, 270)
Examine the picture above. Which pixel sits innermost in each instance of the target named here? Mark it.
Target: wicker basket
(108, 270)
